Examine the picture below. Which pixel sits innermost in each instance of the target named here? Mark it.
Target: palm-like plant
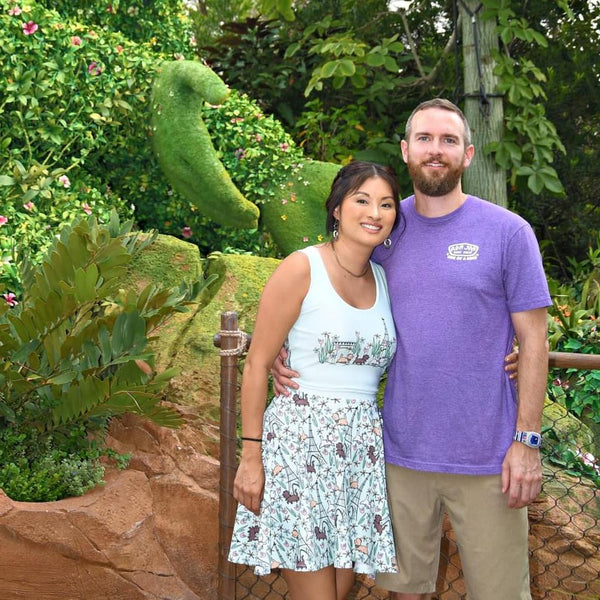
(74, 352)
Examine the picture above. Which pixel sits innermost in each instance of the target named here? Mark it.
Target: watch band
(533, 439)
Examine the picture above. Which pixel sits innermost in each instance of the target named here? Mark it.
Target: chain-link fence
(564, 539)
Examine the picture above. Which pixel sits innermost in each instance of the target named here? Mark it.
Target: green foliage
(255, 149)
(348, 114)
(38, 204)
(162, 24)
(74, 132)
(573, 327)
(75, 353)
(530, 139)
(38, 467)
(561, 453)
(568, 223)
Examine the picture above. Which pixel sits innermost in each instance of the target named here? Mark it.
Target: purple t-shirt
(453, 282)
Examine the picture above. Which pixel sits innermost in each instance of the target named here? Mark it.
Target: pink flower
(119, 48)
(14, 11)
(65, 181)
(3, 220)
(86, 208)
(10, 298)
(75, 40)
(94, 68)
(283, 201)
(29, 28)
(240, 153)
(305, 239)
(258, 137)
(29, 205)
(186, 232)
(285, 146)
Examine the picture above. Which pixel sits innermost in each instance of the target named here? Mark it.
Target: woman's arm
(278, 310)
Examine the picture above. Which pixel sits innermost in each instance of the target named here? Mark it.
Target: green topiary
(182, 143)
(253, 162)
(74, 354)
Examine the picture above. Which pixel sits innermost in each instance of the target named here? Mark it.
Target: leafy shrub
(74, 133)
(573, 327)
(74, 354)
(255, 149)
(162, 24)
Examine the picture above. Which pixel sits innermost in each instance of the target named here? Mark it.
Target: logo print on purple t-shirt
(463, 251)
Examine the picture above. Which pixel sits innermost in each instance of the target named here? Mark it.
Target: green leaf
(85, 284)
(329, 68)
(347, 68)
(23, 353)
(64, 377)
(374, 60)
(292, 49)
(129, 334)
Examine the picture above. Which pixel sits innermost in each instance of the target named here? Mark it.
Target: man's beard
(434, 184)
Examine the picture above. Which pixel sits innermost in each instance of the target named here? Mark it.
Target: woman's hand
(512, 363)
(249, 483)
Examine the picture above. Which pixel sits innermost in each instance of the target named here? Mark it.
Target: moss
(187, 340)
(183, 145)
(167, 262)
(292, 211)
(296, 218)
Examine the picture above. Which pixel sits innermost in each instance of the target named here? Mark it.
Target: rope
(242, 338)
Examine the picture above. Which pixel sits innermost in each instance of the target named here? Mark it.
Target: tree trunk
(483, 108)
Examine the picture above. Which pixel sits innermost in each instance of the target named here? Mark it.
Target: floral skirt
(325, 499)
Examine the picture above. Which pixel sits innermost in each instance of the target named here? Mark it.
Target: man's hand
(282, 376)
(521, 475)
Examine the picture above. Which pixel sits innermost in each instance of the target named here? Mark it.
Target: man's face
(435, 153)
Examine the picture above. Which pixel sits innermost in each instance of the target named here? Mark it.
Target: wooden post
(232, 343)
(483, 105)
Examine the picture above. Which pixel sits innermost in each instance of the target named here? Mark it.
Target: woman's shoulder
(293, 268)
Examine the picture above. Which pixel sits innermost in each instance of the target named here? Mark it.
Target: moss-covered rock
(166, 262)
(186, 341)
(567, 427)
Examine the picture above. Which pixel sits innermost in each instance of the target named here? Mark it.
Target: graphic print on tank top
(375, 353)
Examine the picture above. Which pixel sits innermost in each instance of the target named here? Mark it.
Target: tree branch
(423, 79)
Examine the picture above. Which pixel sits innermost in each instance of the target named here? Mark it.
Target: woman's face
(367, 214)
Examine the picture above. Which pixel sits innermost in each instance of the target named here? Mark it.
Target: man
(464, 276)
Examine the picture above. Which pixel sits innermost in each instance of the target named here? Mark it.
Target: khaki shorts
(491, 538)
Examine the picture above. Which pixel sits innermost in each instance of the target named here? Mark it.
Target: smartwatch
(529, 438)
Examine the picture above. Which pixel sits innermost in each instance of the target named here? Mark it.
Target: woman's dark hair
(349, 179)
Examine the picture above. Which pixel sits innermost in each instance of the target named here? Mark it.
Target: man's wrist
(533, 439)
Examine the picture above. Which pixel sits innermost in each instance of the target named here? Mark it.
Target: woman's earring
(335, 233)
(387, 243)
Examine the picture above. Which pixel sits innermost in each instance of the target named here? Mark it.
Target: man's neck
(439, 206)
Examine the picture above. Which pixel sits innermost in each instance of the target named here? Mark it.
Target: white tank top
(339, 349)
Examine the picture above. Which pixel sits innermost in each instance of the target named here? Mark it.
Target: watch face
(534, 440)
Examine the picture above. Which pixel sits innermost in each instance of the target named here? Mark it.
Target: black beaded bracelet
(249, 439)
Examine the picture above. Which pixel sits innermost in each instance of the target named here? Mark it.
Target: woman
(311, 484)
